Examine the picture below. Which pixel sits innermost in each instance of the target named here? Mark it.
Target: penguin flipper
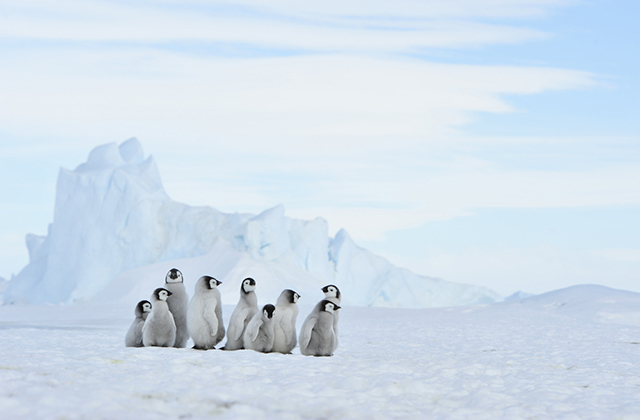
(241, 321)
(256, 329)
(210, 317)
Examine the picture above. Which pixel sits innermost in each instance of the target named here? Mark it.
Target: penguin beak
(335, 308)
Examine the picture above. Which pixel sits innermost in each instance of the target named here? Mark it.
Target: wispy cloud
(283, 27)
(322, 106)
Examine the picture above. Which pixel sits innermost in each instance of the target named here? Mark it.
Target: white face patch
(248, 287)
(329, 307)
(331, 292)
(163, 295)
(178, 279)
(146, 307)
(296, 297)
(213, 284)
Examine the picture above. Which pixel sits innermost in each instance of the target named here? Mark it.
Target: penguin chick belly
(322, 341)
(284, 326)
(160, 330)
(200, 329)
(264, 341)
(178, 302)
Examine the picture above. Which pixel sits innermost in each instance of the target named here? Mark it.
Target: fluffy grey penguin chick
(243, 313)
(285, 322)
(159, 329)
(332, 293)
(178, 303)
(134, 335)
(204, 314)
(317, 337)
(259, 333)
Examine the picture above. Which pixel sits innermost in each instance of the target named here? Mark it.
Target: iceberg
(115, 231)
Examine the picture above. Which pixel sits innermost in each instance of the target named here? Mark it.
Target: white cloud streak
(136, 23)
(277, 98)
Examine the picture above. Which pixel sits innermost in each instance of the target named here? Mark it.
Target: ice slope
(587, 302)
(534, 359)
(112, 217)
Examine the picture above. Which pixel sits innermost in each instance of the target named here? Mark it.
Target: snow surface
(569, 354)
(112, 216)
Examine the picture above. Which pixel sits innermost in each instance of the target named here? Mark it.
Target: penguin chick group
(170, 319)
(319, 334)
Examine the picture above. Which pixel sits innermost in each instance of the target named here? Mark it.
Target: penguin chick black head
(289, 296)
(248, 285)
(331, 291)
(142, 306)
(329, 306)
(211, 282)
(173, 276)
(161, 293)
(268, 310)
(207, 283)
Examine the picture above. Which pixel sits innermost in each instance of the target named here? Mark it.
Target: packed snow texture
(113, 216)
(570, 354)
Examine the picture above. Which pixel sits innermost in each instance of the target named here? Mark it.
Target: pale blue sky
(486, 142)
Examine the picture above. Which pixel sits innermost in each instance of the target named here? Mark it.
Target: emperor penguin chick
(134, 335)
(332, 293)
(178, 303)
(159, 329)
(317, 337)
(243, 313)
(285, 322)
(259, 334)
(204, 314)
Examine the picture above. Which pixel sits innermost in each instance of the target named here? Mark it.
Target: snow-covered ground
(569, 354)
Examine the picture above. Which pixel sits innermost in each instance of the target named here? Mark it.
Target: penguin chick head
(142, 307)
(331, 291)
(161, 293)
(212, 283)
(329, 306)
(145, 305)
(268, 311)
(173, 276)
(248, 285)
(288, 296)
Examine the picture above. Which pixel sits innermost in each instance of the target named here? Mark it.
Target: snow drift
(116, 231)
